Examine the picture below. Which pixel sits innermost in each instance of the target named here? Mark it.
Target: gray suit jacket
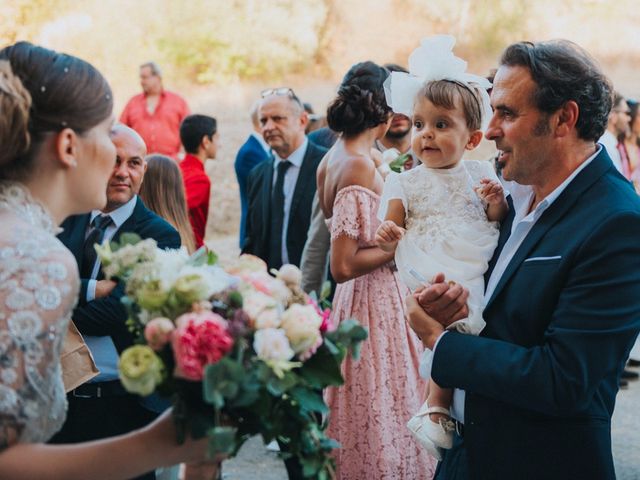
(315, 256)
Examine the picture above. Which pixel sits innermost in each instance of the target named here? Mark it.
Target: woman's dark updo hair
(360, 103)
(44, 91)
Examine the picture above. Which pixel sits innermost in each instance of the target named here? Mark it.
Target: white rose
(302, 325)
(289, 274)
(256, 302)
(272, 344)
(267, 318)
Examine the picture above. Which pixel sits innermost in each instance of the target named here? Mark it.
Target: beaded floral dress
(447, 229)
(382, 389)
(38, 290)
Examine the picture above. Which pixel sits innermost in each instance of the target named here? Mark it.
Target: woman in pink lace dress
(383, 388)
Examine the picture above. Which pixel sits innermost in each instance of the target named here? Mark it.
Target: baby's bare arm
(391, 230)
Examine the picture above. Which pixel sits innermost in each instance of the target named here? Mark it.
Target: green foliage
(288, 407)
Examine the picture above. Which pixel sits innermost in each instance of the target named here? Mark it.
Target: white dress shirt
(103, 349)
(289, 186)
(523, 221)
(610, 142)
(263, 144)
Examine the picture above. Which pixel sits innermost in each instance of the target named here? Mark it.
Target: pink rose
(200, 339)
(157, 333)
(327, 324)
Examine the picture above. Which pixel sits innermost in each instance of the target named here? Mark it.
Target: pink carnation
(199, 340)
(327, 324)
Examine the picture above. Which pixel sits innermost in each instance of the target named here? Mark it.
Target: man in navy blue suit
(536, 390)
(253, 152)
(102, 408)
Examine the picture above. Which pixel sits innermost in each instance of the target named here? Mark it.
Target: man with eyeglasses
(617, 125)
(280, 192)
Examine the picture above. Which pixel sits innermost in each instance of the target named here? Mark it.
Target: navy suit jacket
(259, 186)
(249, 155)
(541, 379)
(107, 316)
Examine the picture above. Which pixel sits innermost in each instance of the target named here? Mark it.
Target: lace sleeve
(353, 212)
(38, 290)
(392, 190)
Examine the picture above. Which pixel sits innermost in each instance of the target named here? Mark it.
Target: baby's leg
(439, 397)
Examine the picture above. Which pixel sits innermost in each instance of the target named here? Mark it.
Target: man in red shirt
(156, 113)
(200, 139)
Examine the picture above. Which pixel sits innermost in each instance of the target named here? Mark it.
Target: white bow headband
(433, 60)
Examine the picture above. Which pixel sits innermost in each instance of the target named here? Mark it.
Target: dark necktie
(98, 227)
(277, 216)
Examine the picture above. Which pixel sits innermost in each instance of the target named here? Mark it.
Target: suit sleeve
(107, 316)
(589, 336)
(253, 183)
(316, 250)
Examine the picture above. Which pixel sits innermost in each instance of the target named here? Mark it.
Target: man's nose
(121, 170)
(493, 130)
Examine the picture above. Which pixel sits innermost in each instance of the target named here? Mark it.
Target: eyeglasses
(281, 91)
(277, 91)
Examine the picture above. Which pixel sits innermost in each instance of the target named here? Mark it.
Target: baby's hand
(490, 191)
(388, 235)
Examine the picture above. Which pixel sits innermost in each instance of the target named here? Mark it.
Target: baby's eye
(441, 124)
(417, 124)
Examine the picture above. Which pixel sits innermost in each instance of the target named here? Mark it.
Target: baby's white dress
(447, 229)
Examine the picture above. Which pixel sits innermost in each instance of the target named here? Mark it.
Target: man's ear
(474, 140)
(304, 120)
(566, 118)
(66, 147)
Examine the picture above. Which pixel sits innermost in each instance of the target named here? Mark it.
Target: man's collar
(296, 157)
(120, 214)
(522, 195)
(260, 139)
(192, 159)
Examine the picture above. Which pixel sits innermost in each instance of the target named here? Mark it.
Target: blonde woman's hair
(163, 192)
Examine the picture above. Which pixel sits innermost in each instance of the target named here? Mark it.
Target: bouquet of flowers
(239, 351)
(395, 159)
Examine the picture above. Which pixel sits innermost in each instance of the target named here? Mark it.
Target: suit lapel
(77, 232)
(549, 217)
(306, 176)
(129, 224)
(267, 182)
(505, 232)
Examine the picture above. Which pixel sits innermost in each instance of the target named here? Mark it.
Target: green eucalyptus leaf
(309, 400)
(222, 440)
(128, 238)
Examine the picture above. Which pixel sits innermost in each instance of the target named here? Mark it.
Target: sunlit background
(220, 53)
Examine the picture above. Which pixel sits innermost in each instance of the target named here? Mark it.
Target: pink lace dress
(382, 389)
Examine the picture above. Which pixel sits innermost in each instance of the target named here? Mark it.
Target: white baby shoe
(431, 435)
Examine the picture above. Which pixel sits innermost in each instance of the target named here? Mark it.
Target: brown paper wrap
(77, 363)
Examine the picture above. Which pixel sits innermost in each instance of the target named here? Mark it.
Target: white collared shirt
(263, 144)
(103, 349)
(610, 142)
(290, 180)
(523, 222)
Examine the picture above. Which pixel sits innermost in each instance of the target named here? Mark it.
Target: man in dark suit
(102, 408)
(562, 290)
(280, 192)
(252, 152)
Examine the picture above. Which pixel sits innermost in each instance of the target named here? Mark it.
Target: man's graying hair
(563, 71)
(155, 68)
